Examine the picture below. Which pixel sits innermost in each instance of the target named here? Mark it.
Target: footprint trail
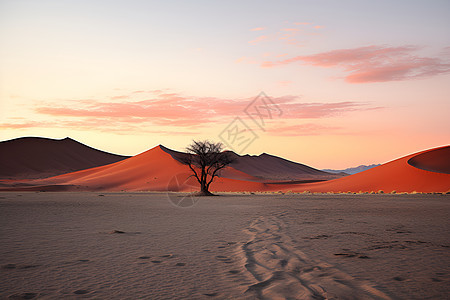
(277, 270)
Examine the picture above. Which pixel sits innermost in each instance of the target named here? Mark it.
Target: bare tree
(206, 159)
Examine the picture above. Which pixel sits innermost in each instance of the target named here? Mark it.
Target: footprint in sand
(234, 271)
(180, 264)
(279, 270)
(81, 292)
(158, 261)
(226, 244)
(346, 254)
(14, 266)
(224, 259)
(399, 229)
(24, 296)
(9, 266)
(29, 266)
(317, 237)
(211, 294)
(349, 253)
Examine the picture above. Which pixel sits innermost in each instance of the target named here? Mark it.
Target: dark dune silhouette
(270, 167)
(437, 160)
(36, 157)
(266, 167)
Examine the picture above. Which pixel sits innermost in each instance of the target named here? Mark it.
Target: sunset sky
(353, 82)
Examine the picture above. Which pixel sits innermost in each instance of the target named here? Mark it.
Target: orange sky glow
(350, 84)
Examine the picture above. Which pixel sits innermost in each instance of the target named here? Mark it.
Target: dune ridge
(152, 170)
(395, 176)
(436, 160)
(160, 169)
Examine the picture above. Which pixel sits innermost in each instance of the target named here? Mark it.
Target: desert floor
(293, 246)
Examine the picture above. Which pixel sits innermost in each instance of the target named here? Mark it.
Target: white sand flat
(139, 245)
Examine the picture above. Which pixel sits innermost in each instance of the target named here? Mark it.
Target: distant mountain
(268, 167)
(35, 157)
(351, 171)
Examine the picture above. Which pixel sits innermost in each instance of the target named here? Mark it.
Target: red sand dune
(158, 170)
(34, 157)
(153, 170)
(401, 175)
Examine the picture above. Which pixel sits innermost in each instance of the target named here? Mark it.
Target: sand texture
(140, 245)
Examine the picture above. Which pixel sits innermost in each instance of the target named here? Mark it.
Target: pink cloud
(302, 23)
(292, 109)
(257, 29)
(23, 125)
(120, 97)
(177, 114)
(284, 82)
(171, 112)
(259, 39)
(246, 60)
(373, 63)
(110, 126)
(179, 110)
(164, 109)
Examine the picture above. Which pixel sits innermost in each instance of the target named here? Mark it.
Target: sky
(332, 84)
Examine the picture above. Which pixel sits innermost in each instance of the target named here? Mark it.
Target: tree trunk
(203, 188)
(203, 184)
